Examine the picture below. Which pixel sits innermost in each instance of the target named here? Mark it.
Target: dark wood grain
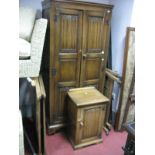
(77, 36)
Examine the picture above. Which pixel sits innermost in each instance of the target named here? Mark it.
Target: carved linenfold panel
(69, 31)
(91, 130)
(95, 33)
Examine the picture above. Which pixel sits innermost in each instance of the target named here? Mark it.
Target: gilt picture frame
(127, 80)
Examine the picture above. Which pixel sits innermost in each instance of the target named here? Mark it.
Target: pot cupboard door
(91, 125)
(93, 62)
(68, 25)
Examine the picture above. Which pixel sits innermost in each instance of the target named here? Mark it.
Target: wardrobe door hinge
(108, 22)
(54, 71)
(55, 18)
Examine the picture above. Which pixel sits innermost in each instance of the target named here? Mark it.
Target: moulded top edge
(78, 2)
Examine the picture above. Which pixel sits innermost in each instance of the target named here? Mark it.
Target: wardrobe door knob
(102, 52)
(108, 11)
(84, 56)
(81, 124)
(102, 67)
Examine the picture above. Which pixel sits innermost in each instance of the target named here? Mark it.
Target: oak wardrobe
(75, 53)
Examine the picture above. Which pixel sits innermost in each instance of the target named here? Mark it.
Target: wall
(36, 4)
(121, 19)
(123, 16)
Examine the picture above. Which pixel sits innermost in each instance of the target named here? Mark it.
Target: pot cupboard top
(86, 96)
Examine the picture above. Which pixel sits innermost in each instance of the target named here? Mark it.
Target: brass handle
(81, 124)
(108, 11)
(102, 64)
(102, 52)
(84, 56)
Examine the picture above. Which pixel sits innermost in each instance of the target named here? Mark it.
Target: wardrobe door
(93, 50)
(68, 26)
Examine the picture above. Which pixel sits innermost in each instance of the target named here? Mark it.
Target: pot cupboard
(86, 110)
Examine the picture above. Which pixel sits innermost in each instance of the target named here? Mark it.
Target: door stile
(83, 50)
(107, 27)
